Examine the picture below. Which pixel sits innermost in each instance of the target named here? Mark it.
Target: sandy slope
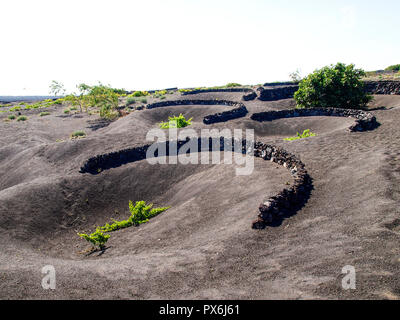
(203, 247)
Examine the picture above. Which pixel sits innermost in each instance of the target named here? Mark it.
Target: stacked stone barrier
(270, 212)
(363, 119)
(210, 90)
(238, 111)
(382, 87)
(286, 90)
(277, 93)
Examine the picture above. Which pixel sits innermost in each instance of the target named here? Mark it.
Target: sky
(156, 44)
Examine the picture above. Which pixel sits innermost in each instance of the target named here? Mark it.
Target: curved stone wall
(250, 94)
(270, 212)
(276, 93)
(382, 87)
(286, 90)
(196, 91)
(275, 84)
(239, 111)
(363, 120)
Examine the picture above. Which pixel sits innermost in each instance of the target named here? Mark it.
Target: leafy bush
(42, 114)
(395, 67)
(22, 118)
(11, 117)
(16, 108)
(96, 238)
(140, 213)
(176, 122)
(334, 86)
(36, 105)
(66, 111)
(143, 100)
(306, 134)
(130, 100)
(78, 134)
(160, 93)
(138, 94)
(100, 96)
(232, 84)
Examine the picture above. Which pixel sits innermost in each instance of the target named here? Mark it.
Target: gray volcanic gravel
(204, 246)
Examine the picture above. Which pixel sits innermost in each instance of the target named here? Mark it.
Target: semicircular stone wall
(238, 111)
(273, 210)
(363, 119)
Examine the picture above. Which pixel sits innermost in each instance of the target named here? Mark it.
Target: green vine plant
(97, 238)
(306, 134)
(140, 213)
(176, 122)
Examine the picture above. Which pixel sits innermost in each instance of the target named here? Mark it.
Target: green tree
(337, 86)
(56, 88)
(295, 76)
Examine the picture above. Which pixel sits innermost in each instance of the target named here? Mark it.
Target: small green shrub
(143, 100)
(97, 238)
(73, 108)
(42, 114)
(176, 122)
(16, 108)
(140, 213)
(66, 111)
(232, 84)
(130, 100)
(184, 90)
(306, 134)
(22, 118)
(337, 86)
(11, 117)
(138, 94)
(78, 134)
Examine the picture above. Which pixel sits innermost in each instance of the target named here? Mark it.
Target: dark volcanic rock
(250, 96)
(277, 93)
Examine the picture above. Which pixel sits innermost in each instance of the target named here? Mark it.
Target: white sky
(159, 44)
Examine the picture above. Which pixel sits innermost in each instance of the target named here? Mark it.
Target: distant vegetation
(295, 76)
(395, 67)
(176, 122)
(306, 134)
(100, 96)
(56, 88)
(333, 86)
(233, 84)
(42, 114)
(229, 85)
